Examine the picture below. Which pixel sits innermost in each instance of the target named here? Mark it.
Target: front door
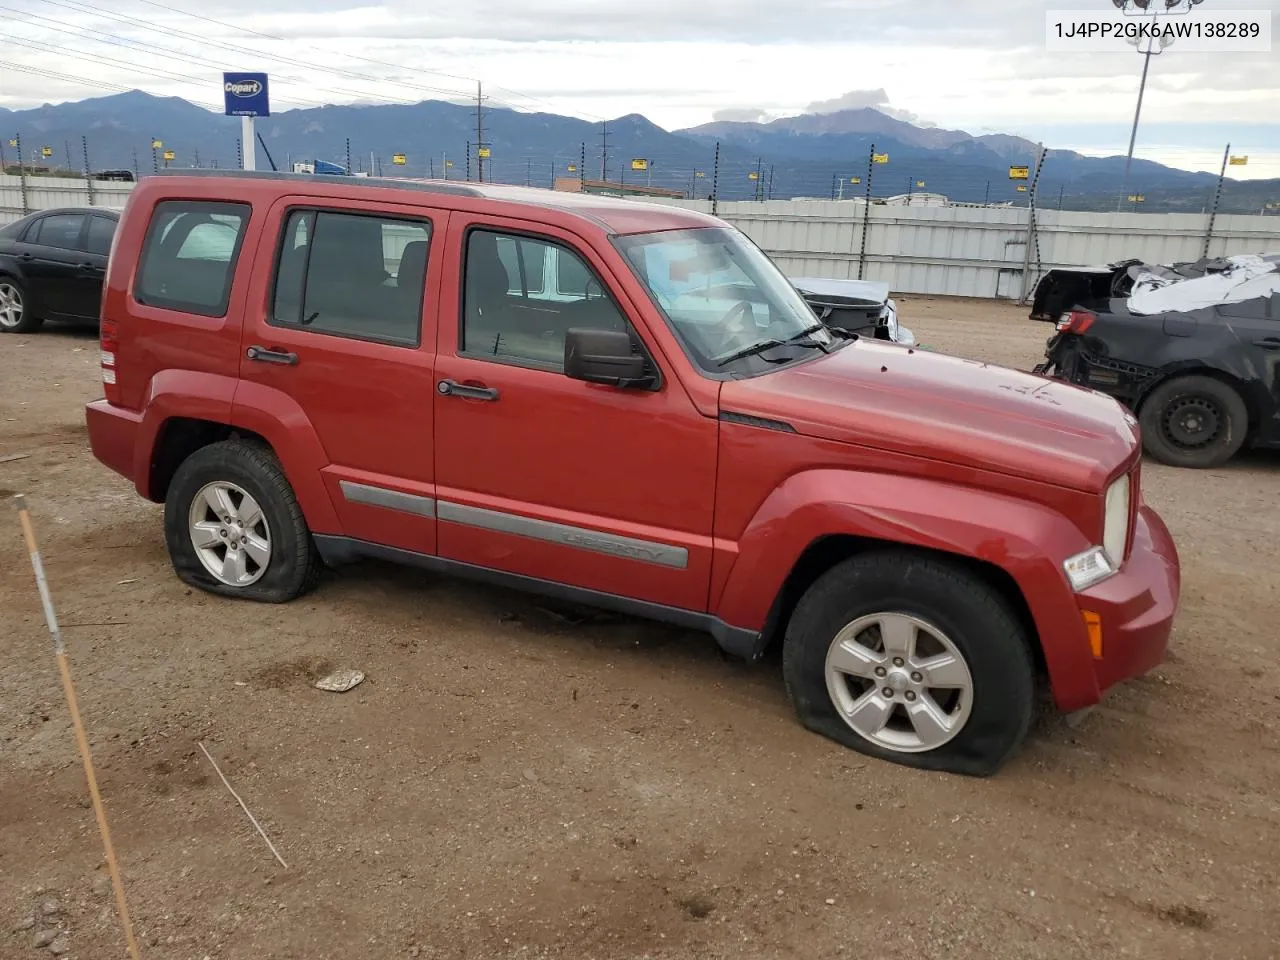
(599, 487)
(341, 327)
(56, 244)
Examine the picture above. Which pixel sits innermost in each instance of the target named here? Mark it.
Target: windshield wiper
(763, 345)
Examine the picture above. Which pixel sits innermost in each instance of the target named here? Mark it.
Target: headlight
(1097, 563)
(1115, 524)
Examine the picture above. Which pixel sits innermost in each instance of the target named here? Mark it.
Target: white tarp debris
(1247, 276)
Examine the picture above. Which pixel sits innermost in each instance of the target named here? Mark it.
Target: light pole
(1148, 47)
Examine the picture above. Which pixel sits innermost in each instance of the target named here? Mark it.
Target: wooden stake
(82, 742)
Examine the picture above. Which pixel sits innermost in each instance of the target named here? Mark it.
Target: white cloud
(967, 64)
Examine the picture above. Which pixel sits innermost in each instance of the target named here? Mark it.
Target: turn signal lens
(1093, 624)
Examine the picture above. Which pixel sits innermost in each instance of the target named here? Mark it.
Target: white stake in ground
(82, 742)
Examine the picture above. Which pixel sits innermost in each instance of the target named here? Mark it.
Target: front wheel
(911, 659)
(234, 527)
(16, 313)
(1193, 421)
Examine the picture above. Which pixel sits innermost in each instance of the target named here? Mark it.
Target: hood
(842, 292)
(964, 412)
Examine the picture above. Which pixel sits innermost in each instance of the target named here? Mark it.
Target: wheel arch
(827, 550)
(178, 438)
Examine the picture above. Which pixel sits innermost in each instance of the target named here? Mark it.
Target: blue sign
(245, 94)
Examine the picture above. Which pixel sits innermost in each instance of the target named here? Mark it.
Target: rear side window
(189, 256)
(61, 230)
(101, 231)
(352, 275)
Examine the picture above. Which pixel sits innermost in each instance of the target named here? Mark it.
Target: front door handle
(452, 388)
(1268, 343)
(264, 355)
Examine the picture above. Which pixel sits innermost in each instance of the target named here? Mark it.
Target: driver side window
(522, 294)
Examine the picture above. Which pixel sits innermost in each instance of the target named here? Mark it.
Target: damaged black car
(1193, 349)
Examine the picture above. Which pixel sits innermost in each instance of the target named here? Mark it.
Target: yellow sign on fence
(46, 151)
(169, 155)
(1019, 173)
(573, 168)
(1137, 198)
(156, 144)
(753, 175)
(919, 183)
(1022, 188)
(483, 153)
(855, 179)
(398, 159)
(639, 164)
(880, 158)
(1239, 161)
(698, 173)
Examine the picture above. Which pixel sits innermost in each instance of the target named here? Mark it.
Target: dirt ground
(508, 783)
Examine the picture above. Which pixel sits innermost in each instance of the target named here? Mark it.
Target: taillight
(108, 342)
(1077, 321)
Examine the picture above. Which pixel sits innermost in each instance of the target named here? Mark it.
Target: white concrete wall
(958, 251)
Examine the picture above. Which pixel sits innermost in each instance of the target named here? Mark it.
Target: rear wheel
(16, 314)
(1193, 421)
(910, 659)
(234, 527)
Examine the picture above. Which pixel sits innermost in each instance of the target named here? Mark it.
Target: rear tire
(234, 527)
(1193, 421)
(959, 699)
(17, 313)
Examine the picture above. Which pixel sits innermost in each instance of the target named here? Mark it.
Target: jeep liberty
(627, 405)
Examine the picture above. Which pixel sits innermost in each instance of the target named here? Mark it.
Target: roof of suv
(613, 214)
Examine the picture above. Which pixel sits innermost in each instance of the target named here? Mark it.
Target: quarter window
(352, 275)
(521, 295)
(189, 256)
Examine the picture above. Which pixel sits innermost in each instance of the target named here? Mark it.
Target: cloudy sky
(976, 65)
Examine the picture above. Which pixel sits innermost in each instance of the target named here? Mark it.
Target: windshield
(729, 304)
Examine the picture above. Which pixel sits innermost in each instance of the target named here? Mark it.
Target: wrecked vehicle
(1192, 348)
(859, 306)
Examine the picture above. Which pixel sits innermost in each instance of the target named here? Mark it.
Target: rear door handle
(1268, 343)
(264, 355)
(452, 388)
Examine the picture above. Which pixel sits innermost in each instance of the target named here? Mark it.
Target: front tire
(17, 314)
(234, 527)
(910, 659)
(1193, 421)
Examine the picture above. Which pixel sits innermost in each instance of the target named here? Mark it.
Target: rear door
(99, 231)
(339, 323)
(52, 262)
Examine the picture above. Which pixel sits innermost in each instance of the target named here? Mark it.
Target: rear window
(189, 256)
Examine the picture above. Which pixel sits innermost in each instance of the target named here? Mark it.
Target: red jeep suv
(626, 405)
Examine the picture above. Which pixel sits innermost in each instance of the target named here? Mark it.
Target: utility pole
(604, 151)
(582, 169)
(866, 212)
(136, 175)
(197, 153)
(528, 171)
(468, 161)
(986, 197)
(771, 181)
(348, 154)
(444, 164)
(479, 132)
(759, 190)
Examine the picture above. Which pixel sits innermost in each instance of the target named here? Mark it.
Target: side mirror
(603, 356)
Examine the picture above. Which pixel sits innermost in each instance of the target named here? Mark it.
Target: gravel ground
(509, 782)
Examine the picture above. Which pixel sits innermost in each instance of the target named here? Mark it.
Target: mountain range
(810, 155)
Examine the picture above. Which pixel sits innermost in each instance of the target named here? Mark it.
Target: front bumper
(1136, 607)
